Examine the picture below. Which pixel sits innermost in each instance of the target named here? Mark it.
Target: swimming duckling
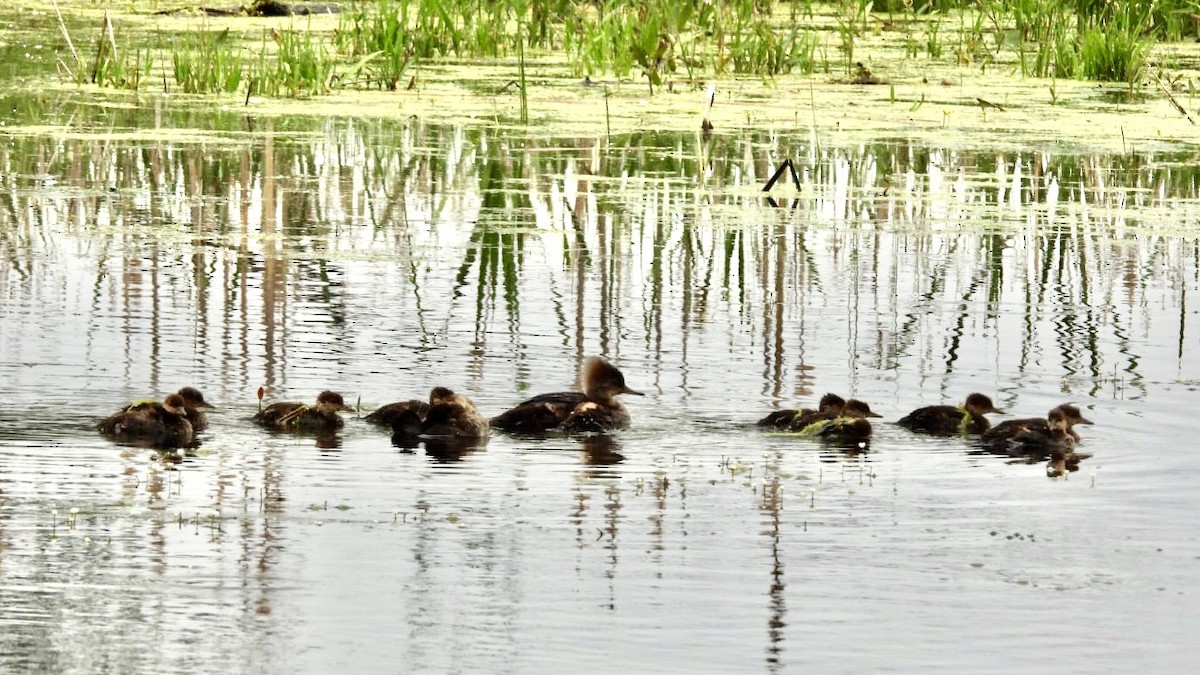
(453, 415)
(947, 419)
(849, 423)
(405, 410)
(407, 418)
(596, 408)
(159, 425)
(193, 403)
(1055, 442)
(792, 420)
(1059, 420)
(322, 416)
(845, 430)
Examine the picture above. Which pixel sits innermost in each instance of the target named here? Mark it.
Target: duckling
(159, 425)
(849, 423)
(453, 415)
(322, 416)
(408, 410)
(1055, 442)
(407, 418)
(792, 420)
(602, 382)
(846, 430)
(947, 419)
(1001, 437)
(193, 403)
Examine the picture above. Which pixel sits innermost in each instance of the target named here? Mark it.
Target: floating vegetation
(658, 42)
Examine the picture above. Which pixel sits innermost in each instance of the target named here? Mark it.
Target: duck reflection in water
(601, 450)
(595, 409)
(317, 418)
(151, 425)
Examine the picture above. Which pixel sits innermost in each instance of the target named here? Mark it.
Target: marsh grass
(379, 41)
(112, 66)
(658, 42)
(304, 66)
(1114, 47)
(207, 63)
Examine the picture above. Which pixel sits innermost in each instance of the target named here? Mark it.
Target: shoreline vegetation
(989, 66)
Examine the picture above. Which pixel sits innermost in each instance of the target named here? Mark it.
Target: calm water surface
(381, 259)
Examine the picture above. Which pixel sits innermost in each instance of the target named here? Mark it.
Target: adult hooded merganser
(794, 420)
(947, 419)
(596, 408)
(322, 416)
(193, 402)
(1024, 435)
(160, 425)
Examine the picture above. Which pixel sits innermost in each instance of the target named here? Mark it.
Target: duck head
(979, 404)
(330, 402)
(602, 380)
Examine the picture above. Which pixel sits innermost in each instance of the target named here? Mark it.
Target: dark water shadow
(450, 450)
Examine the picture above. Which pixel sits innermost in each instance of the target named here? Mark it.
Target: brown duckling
(1011, 436)
(193, 402)
(159, 425)
(322, 416)
(845, 430)
(850, 423)
(1056, 442)
(413, 409)
(947, 419)
(792, 420)
(602, 382)
(407, 418)
(453, 415)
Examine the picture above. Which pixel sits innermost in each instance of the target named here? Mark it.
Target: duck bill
(627, 390)
(1083, 420)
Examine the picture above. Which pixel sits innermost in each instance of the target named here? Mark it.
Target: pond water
(148, 248)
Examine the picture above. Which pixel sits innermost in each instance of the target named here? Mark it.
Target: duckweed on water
(389, 44)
